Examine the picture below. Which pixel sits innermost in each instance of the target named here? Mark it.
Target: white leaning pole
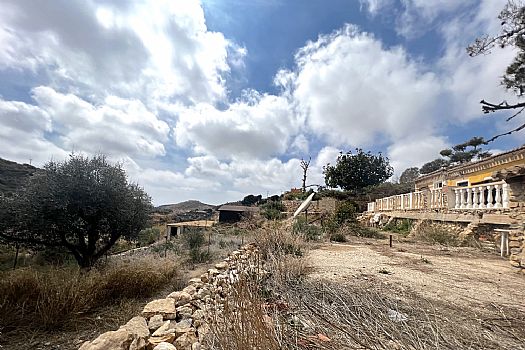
(304, 205)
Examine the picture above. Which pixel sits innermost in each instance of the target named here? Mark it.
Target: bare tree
(512, 33)
(304, 165)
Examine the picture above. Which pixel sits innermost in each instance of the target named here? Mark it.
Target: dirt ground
(460, 276)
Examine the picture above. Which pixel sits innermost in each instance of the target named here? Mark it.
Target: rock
(154, 341)
(138, 344)
(190, 290)
(203, 331)
(165, 346)
(221, 266)
(185, 311)
(196, 346)
(164, 307)
(180, 297)
(137, 326)
(205, 278)
(114, 340)
(213, 272)
(185, 341)
(155, 322)
(182, 327)
(203, 292)
(163, 330)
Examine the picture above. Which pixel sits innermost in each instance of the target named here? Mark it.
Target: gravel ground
(463, 277)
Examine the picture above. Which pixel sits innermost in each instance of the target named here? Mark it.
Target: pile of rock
(181, 321)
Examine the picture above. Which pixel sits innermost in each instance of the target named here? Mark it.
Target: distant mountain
(191, 205)
(13, 175)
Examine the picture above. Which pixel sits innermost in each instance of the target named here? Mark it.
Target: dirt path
(463, 277)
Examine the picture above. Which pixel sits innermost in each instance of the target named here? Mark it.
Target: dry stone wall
(180, 321)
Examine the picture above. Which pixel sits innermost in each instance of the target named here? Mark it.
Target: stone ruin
(181, 320)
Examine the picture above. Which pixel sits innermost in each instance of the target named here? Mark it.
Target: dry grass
(49, 298)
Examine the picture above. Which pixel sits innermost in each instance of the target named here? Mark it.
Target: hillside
(191, 205)
(13, 175)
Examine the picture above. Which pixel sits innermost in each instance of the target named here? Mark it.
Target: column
(482, 204)
(402, 201)
(463, 204)
(469, 198)
(410, 200)
(498, 196)
(475, 198)
(489, 197)
(505, 187)
(456, 203)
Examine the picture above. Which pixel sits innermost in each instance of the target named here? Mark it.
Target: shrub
(338, 237)
(309, 232)
(194, 238)
(49, 298)
(402, 226)
(148, 236)
(272, 210)
(199, 256)
(345, 212)
(362, 231)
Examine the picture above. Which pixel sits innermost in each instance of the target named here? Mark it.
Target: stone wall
(179, 321)
(517, 192)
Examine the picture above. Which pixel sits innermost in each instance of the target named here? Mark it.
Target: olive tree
(355, 171)
(83, 205)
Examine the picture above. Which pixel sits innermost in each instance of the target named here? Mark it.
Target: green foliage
(272, 210)
(82, 204)
(345, 212)
(366, 232)
(199, 256)
(353, 172)
(250, 200)
(409, 176)
(402, 226)
(194, 238)
(338, 237)
(302, 195)
(434, 165)
(148, 236)
(308, 231)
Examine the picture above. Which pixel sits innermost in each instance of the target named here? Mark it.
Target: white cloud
(355, 92)
(153, 49)
(412, 152)
(257, 126)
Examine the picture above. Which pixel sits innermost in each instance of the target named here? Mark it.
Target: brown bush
(48, 298)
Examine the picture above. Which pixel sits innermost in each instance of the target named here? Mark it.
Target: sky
(217, 99)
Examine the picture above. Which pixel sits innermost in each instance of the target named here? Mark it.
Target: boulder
(138, 344)
(163, 330)
(185, 311)
(182, 327)
(190, 290)
(114, 340)
(180, 297)
(164, 307)
(221, 266)
(137, 326)
(155, 322)
(186, 341)
(154, 341)
(165, 346)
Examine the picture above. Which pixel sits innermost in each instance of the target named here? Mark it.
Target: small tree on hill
(83, 205)
(409, 176)
(355, 171)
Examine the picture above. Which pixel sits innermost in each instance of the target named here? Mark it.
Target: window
(462, 183)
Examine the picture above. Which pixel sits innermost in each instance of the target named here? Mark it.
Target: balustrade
(484, 196)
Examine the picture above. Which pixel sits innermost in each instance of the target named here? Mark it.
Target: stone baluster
(463, 200)
(475, 198)
(469, 198)
(498, 196)
(489, 197)
(457, 204)
(402, 202)
(505, 187)
(482, 204)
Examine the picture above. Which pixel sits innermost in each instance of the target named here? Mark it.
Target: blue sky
(215, 100)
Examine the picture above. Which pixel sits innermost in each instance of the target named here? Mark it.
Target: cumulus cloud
(259, 125)
(152, 49)
(414, 151)
(355, 92)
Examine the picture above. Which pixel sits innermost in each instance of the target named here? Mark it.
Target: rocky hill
(191, 205)
(13, 175)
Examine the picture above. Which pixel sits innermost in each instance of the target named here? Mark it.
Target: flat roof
(239, 208)
(197, 223)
